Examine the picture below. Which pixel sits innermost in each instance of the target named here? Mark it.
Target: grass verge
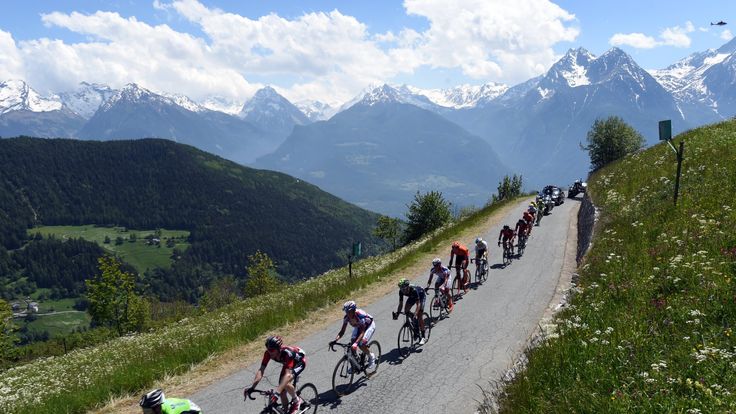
(83, 378)
(650, 325)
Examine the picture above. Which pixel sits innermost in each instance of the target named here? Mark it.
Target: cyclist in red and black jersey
(508, 238)
(528, 217)
(294, 362)
(522, 227)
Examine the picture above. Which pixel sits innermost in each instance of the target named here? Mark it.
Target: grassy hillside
(139, 253)
(230, 210)
(651, 326)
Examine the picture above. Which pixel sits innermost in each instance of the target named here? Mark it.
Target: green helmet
(403, 283)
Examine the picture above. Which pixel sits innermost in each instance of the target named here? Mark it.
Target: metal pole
(350, 266)
(679, 168)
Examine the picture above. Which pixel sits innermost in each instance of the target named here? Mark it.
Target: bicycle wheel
(375, 349)
(478, 274)
(342, 378)
(427, 326)
(310, 398)
(485, 271)
(405, 340)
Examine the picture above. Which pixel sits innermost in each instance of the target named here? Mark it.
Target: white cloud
(726, 35)
(11, 61)
(320, 55)
(492, 39)
(672, 36)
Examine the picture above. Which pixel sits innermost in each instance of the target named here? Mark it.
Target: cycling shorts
(461, 261)
(480, 253)
(298, 368)
(366, 336)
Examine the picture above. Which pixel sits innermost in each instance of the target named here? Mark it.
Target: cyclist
(294, 362)
(522, 227)
(414, 294)
(155, 402)
(529, 219)
(532, 210)
(461, 255)
(508, 238)
(443, 280)
(363, 328)
(481, 251)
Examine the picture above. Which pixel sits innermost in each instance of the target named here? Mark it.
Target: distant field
(60, 323)
(139, 254)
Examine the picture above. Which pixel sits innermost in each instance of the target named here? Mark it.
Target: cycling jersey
(523, 226)
(179, 406)
(506, 234)
(443, 275)
(292, 357)
(460, 251)
(479, 250)
(528, 217)
(362, 319)
(416, 294)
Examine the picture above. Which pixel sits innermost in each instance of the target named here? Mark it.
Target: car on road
(558, 196)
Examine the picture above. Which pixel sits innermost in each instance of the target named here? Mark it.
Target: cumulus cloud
(491, 39)
(726, 35)
(672, 36)
(324, 55)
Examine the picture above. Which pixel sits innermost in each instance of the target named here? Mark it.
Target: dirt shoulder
(224, 364)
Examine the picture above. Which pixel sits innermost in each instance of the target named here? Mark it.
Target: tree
(389, 229)
(107, 240)
(508, 188)
(112, 298)
(611, 139)
(220, 293)
(427, 212)
(7, 329)
(261, 275)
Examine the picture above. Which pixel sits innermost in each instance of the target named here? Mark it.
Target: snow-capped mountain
(703, 84)
(462, 96)
(272, 112)
(316, 110)
(87, 98)
(386, 93)
(184, 102)
(23, 111)
(222, 104)
(16, 95)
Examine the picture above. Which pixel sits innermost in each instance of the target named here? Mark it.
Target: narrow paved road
(478, 342)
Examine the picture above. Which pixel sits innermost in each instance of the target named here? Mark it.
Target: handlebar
(262, 392)
(333, 343)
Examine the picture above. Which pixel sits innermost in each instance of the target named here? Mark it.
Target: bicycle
(351, 364)
(481, 270)
(307, 392)
(409, 333)
(522, 244)
(455, 287)
(508, 252)
(439, 308)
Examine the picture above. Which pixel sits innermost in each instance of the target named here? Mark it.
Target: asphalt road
(488, 329)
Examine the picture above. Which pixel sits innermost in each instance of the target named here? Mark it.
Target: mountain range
(534, 128)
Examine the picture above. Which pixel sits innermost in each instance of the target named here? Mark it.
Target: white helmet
(479, 240)
(349, 305)
(436, 261)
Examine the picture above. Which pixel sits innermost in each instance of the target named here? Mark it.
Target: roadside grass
(138, 254)
(84, 378)
(650, 327)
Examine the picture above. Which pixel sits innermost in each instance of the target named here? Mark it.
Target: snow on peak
(132, 93)
(572, 69)
(184, 101)
(316, 110)
(463, 96)
(222, 104)
(87, 98)
(265, 99)
(16, 95)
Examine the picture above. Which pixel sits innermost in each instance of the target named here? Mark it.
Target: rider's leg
(420, 318)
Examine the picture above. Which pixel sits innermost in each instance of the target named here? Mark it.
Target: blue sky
(330, 50)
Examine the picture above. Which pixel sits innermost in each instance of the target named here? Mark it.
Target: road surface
(486, 332)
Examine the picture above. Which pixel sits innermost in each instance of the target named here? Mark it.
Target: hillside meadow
(650, 326)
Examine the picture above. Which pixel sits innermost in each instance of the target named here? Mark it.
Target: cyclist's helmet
(349, 305)
(506, 227)
(478, 240)
(274, 342)
(521, 221)
(456, 244)
(152, 399)
(531, 204)
(437, 261)
(403, 283)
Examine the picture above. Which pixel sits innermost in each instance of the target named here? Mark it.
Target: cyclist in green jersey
(155, 402)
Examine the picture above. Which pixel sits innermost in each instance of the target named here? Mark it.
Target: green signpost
(665, 134)
(357, 247)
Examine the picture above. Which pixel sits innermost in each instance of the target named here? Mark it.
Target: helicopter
(719, 23)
